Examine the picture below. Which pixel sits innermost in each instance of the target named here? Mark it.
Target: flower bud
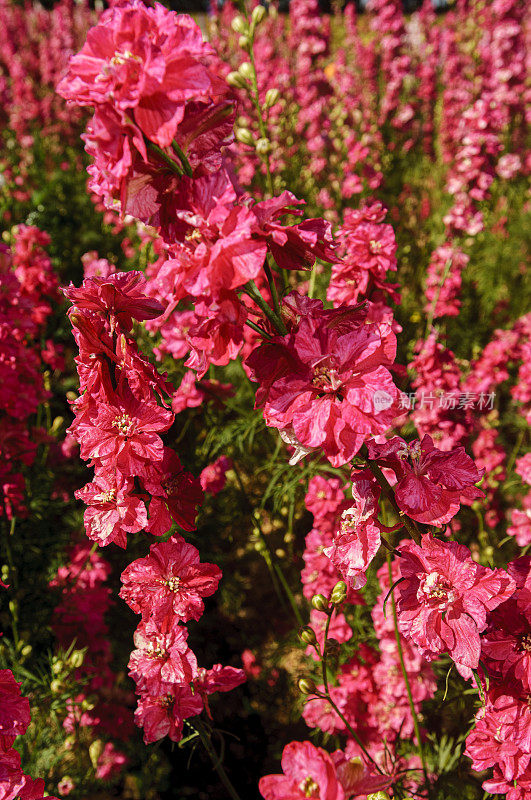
(339, 593)
(246, 70)
(56, 686)
(237, 80)
(239, 25)
(272, 97)
(379, 796)
(244, 135)
(258, 15)
(95, 751)
(76, 659)
(307, 635)
(307, 686)
(263, 146)
(57, 667)
(26, 650)
(320, 603)
(244, 42)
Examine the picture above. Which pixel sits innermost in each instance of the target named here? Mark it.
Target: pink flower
(308, 771)
(358, 539)
(163, 715)
(122, 433)
(217, 335)
(162, 656)
(293, 246)
(444, 597)
(119, 297)
(214, 476)
(327, 379)
(144, 61)
(169, 582)
(14, 710)
(112, 509)
(431, 483)
(357, 778)
(110, 762)
(175, 495)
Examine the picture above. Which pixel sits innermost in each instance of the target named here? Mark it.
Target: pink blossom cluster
(15, 717)
(28, 287)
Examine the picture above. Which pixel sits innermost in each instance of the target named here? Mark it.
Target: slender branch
(261, 121)
(433, 307)
(352, 732)
(184, 160)
(406, 679)
(13, 605)
(272, 287)
(252, 290)
(204, 735)
(324, 653)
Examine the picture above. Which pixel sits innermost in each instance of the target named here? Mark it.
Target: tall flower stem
(206, 740)
(352, 732)
(406, 680)
(254, 293)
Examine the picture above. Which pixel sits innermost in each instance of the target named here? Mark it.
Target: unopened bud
(379, 796)
(258, 15)
(244, 42)
(57, 667)
(307, 686)
(95, 751)
(320, 603)
(239, 25)
(26, 650)
(339, 593)
(56, 686)
(263, 146)
(307, 635)
(76, 659)
(244, 135)
(246, 70)
(237, 80)
(272, 97)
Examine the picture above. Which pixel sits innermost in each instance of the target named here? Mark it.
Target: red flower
(431, 483)
(164, 714)
(293, 246)
(14, 710)
(444, 597)
(113, 510)
(162, 656)
(175, 495)
(169, 582)
(120, 297)
(308, 771)
(327, 380)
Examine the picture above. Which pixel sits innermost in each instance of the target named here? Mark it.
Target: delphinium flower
(444, 598)
(308, 771)
(431, 483)
(327, 380)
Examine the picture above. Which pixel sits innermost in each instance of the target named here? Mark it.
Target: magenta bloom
(308, 771)
(444, 597)
(358, 539)
(113, 510)
(431, 483)
(162, 656)
(120, 296)
(356, 778)
(145, 62)
(327, 379)
(169, 582)
(14, 710)
(164, 714)
(293, 246)
(123, 433)
(175, 495)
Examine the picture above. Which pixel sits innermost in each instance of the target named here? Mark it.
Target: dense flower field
(265, 396)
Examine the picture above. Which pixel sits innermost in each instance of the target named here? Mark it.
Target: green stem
(165, 157)
(254, 293)
(353, 733)
(184, 160)
(429, 321)
(323, 654)
(311, 286)
(406, 679)
(13, 580)
(204, 735)
(261, 121)
(272, 287)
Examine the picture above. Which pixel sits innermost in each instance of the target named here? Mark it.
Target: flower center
(309, 787)
(124, 423)
(524, 642)
(155, 650)
(166, 701)
(375, 246)
(173, 584)
(326, 378)
(123, 57)
(437, 590)
(173, 484)
(106, 497)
